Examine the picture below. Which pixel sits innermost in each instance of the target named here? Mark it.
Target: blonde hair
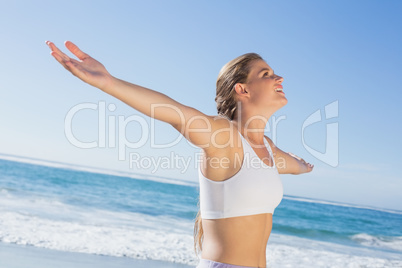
(233, 72)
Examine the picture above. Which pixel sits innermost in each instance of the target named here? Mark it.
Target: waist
(240, 240)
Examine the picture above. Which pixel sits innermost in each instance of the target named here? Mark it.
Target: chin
(284, 102)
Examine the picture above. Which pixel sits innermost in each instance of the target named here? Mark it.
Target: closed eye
(266, 74)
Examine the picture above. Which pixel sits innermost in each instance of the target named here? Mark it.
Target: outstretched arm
(146, 101)
(288, 163)
(94, 73)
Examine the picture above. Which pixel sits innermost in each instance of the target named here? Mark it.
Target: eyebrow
(265, 69)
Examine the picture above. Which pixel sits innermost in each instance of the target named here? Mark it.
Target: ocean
(77, 209)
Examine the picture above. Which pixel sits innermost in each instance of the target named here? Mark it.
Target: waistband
(214, 264)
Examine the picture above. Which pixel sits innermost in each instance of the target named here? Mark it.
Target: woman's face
(265, 87)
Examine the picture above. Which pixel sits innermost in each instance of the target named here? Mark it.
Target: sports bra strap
(270, 151)
(266, 143)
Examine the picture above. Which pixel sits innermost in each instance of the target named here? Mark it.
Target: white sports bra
(255, 189)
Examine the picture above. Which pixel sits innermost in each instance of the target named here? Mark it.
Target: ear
(241, 89)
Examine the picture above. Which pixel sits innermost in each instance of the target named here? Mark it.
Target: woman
(239, 176)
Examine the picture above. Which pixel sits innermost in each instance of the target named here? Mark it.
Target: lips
(279, 89)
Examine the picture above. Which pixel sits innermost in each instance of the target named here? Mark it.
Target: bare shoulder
(208, 132)
(224, 135)
(194, 119)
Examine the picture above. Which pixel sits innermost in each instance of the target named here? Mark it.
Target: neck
(252, 125)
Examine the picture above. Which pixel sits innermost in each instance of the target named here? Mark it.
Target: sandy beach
(19, 256)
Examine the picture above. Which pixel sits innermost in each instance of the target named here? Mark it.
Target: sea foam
(68, 228)
(393, 243)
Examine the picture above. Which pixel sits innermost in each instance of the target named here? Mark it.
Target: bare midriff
(238, 240)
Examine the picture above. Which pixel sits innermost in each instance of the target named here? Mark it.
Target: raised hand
(86, 68)
(307, 166)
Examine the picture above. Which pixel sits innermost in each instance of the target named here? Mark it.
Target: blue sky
(327, 51)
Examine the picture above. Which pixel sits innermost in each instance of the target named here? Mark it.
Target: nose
(279, 79)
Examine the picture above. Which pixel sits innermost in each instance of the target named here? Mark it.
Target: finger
(309, 168)
(75, 68)
(75, 50)
(72, 67)
(56, 49)
(76, 62)
(59, 59)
